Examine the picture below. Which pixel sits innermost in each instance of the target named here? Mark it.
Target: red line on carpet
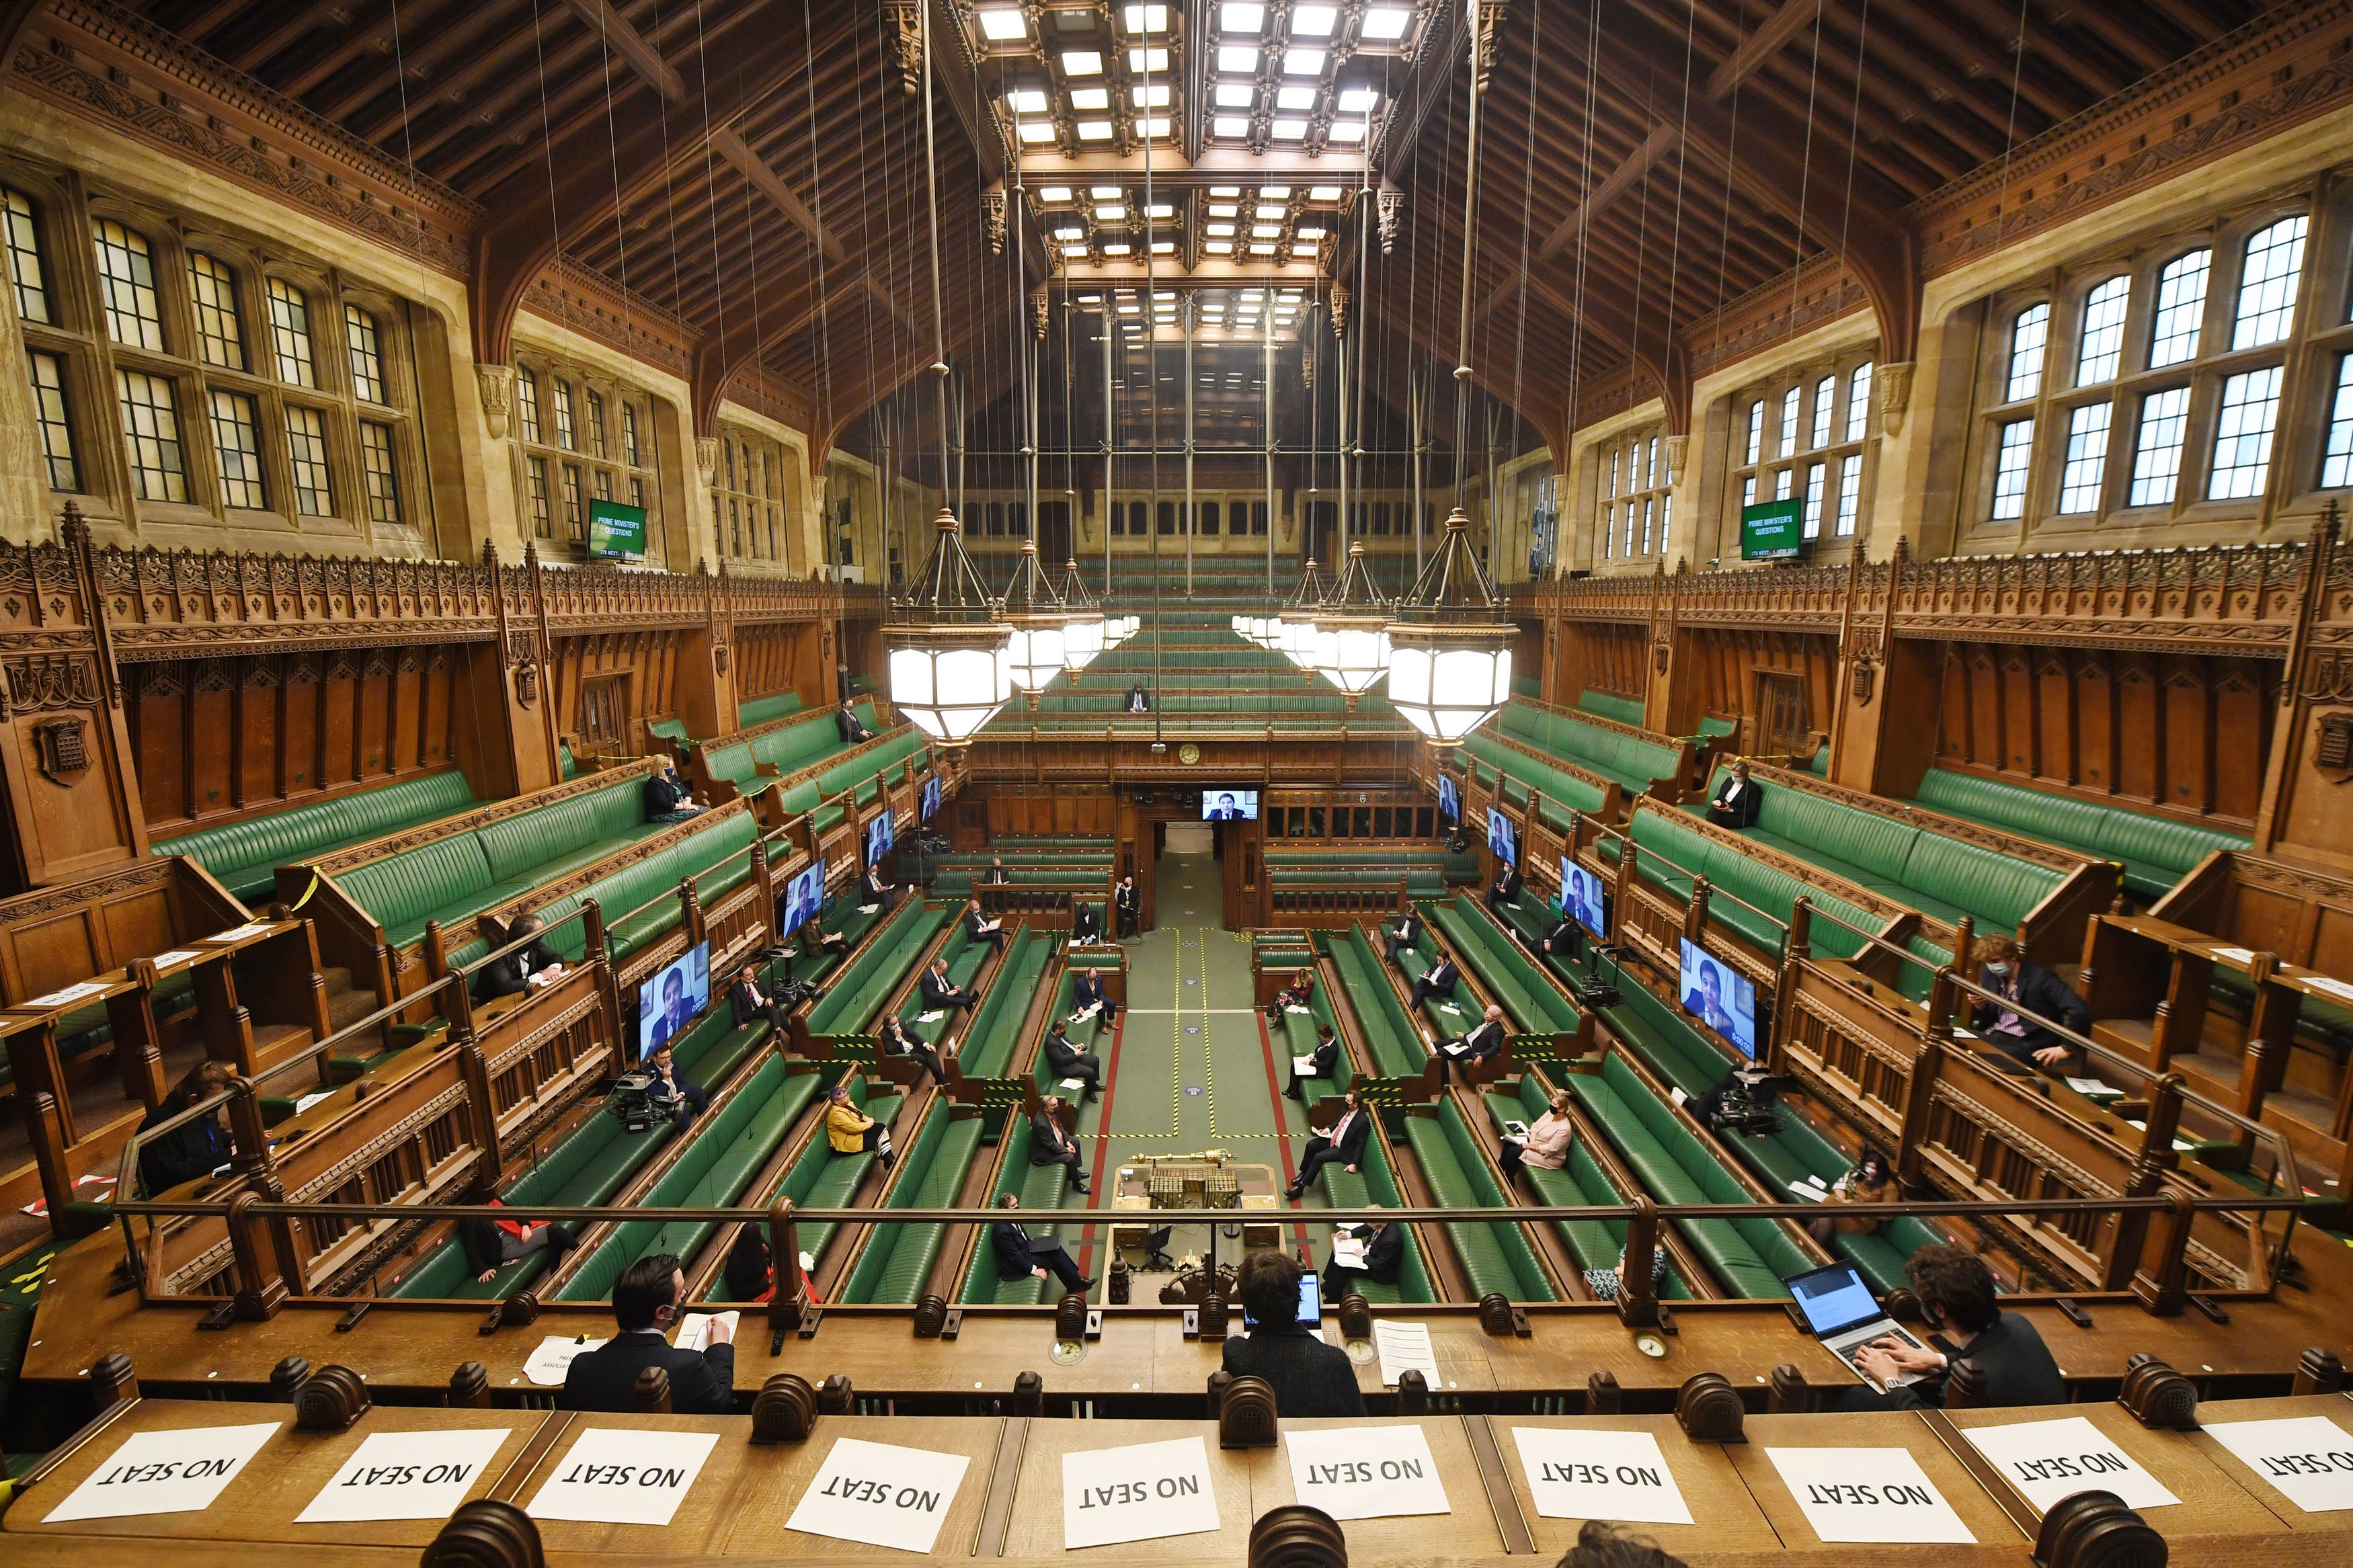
(1103, 1139)
(1274, 1093)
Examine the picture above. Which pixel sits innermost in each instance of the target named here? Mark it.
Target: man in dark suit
(1049, 1145)
(666, 800)
(1086, 923)
(892, 1039)
(1480, 1043)
(2027, 988)
(1735, 800)
(1324, 1058)
(1506, 889)
(1343, 1141)
(941, 994)
(997, 876)
(979, 927)
(1309, 1377)
(1384, 1258)
(1018, 1257)
(1129, 905)
(491, 1245)
(1437, 981)
(512, 975)
(747, 1001)
(1227, 809)
(687, 1100)
(676, 1013)
(1139, 700)
(1565, 941)
(1067, 1061)
(1404, 935)
(649, 1298)
(1958, 1301)
(846, 723)
(1087, 990)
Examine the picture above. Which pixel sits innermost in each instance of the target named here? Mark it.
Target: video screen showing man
(1227, 809)
(1717, 997)
(674, 1014)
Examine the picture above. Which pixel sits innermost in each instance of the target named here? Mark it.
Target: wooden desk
(2317, 1537)
(1726, 1518)
(1999, 1540)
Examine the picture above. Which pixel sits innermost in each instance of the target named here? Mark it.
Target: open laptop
(1843, 1314)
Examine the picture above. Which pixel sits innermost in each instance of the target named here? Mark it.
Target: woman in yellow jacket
(850, 1130)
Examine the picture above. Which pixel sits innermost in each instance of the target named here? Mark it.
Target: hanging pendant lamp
(1450, 657)
(1039, 625)
(1352, 640)
(1294, 629)
(1083, 632)
(950, 657)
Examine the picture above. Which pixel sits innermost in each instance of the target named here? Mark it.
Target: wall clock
(1189, 754)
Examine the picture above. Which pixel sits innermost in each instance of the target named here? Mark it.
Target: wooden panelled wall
(1065, 810)
(627, 677)
(1604, 656)
(2186, 733)
(214, 738)
(766, 656)
(1725, 666)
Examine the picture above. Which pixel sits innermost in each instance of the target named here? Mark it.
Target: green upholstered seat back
(514, 845)
(764, 709)
(1624, 710)
(237, 851)
(1999, 890)
(400, 887)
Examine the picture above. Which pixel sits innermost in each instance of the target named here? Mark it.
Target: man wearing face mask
(649, 1298)
(2028, 988)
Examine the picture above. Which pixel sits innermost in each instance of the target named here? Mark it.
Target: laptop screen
(1834, 1298)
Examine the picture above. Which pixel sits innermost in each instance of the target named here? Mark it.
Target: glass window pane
(237, 436)
(49, 373)
(150, 431)
(290, 333)
(306, 449)
(629, 435)
(2087, 457)
(2336, 464)
(1815, 474)
(1825, 392)
(2156, 455)
(2242, 434)
(1858, 403)
(1650, 508)
(1210, 518)
(539, 499)
(562, 403)
(126, 277)
(597, 423)
(2180, 303)
(527, 402)
(604, 484)
(367, 354)
(2267, 284)
(24, 238)
(572, 512)
(2010, 470)
(2027, 336)
(1781, 483)
(1756, 433)
(1666, 520)
(377, 472)
(1611, 489)
(212, 288)
(2104, 332)
(1748, 491)
(1788, 421)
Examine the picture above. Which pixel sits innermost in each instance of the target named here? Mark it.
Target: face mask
(1999, 970)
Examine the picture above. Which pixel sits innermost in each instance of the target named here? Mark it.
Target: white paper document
(934, 1016)
(2092, 1088)
(1404, 1346)
(177, 955)
(1365, 1472)
(2308, 1457)
(1584, 1474)
(880, 1495)
(67, 996)
(695, 1329)
(308, 1101)
(1076, 1085)
(405, 1475)
(1295, 1007)
(1146, 1491)
(612, 1477)
(2235, 955)
(164, 1472)
(241, 933)
(868, 909)
(2048, 1460)
(547, 1365)
(1868, 1495)
(1302, 1066)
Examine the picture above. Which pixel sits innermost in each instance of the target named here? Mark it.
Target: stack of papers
(868, 909)
(695, 1329)
(932, 1016)
(2092, 1088)
(1293, 1008)
(1403, 1347)
(1302, 1066)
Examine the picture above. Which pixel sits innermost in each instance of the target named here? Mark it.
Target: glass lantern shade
(1296, 641)
(1035, 655)
(1446, 681)
(1352, 652)
(1082, 639)
(950, 680)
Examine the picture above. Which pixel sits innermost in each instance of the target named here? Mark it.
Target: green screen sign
(1773, 530)
(616, 532)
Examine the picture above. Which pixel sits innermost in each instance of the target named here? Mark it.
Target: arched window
(2027, 335)
(2180, 306)
(212, 290)
(2267, 284)
(289, 334)
(2104, 332)
(126, 277)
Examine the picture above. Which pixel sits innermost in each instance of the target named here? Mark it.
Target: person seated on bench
(492, 1244)
(1605, 1283)
(1321, 1061)
(1343, 1140)
(519, 971)
(846, 725)
(195, 1148)
(1958, 1301)
(1129, 904)
(1735, 800)
(850, 1130)
(1485, 1041)
(1139, 700)
(1565, 939)
(980, 926)
(690, 1101)
(748, 1001)
(1296, 994)
(1049, 1145)
(1087, 990)
(997, 876)
(1546, 1144)
(892, 1039)
(1507, 890)
(666, 800)
(1404, 936)
(1437, 981)
(1086, 925)
(879, 891)
(1020, 1256)
(1873, 1181)
(749, 1275)
(2030, 988)
(647, 1299)
(1309, 1377)
(1372, 1255)
(941, 994)
(1067, 1062)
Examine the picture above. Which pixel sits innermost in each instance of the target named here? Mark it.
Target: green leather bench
(244, 857)
(671, 730)
(1941, 877)
(1489, 760)
(787, 749)
(1014, 846)
(965, 957)
(1494, 1257)
(994, 1031)
(1418, 883)
(1529, 1000)
(567, 766)
(1374, 1183)
(900, 754)
(1749, 1258)
(1390, 1039)
(1041, 1189)
(1413, 963)
(1594, 1243)
(2155, 851)
(1632, 761)
(1603, 704)
(897, 1259)
(633, 900)
(1751, 884)
(1784, 1159)
(728, 1148)
(1299, 1037)
(1087, 1034)
(821, 1178)
(852, 1005)
(767, 710)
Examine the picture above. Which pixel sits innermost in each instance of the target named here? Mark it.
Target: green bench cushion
(2155, 851)
(764, 709)
(1494, 1257)
(1373, 1183)
(1624, 710)
(243, 857)
(897, 1259)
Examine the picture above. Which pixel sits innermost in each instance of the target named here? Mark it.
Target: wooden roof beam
(600, 17)
(763, 179)
(1660, 143)
(1760, 46)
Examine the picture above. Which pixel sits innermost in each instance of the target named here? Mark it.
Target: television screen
(1580, 898)
(1718, 997)
(878, 838)
(1229, 805)
(1773, 530)
(804, 897)
(1450, 799)
(931, 798)
(616, 532)
(668, 1002)
(1500, 838)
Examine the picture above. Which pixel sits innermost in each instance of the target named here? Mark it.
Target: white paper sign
(1146, 1491)
(2048, 1460)
(548, 1364)
(1584, 1474)
(695, 1329)
(612, 1477)
(1365, 1472)
(880, 1495)
(2308, 1457)
(405, 1475)
(1405, 1347)
(177, 955)
(1868, 1494)
(74, 993)
(241, 933)
(164, 1472)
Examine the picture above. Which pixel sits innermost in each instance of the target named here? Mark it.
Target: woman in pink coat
(1547, 1143)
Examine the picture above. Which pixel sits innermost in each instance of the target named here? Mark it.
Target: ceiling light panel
(1082, 62)
(1236, 95)
(1240, 18)
(1091, 98)
(1003, 26)
(1147, 59)
(1314, 21)
(1298, 61)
